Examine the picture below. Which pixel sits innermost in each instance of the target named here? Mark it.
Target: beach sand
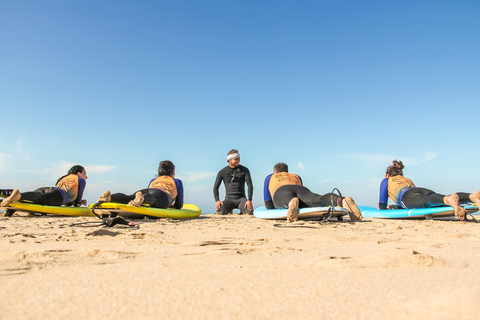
(238, 267)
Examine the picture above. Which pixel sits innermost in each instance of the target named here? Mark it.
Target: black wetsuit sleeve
(248, 180)
(216, 186)
(269, 204)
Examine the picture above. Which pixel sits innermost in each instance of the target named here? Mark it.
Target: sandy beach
(238, 267)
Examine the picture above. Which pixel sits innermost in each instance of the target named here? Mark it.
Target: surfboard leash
(335, 204)
(327, 215)
(111, 221)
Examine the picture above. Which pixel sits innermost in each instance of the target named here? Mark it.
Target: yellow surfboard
(37, 208)
(188, 211)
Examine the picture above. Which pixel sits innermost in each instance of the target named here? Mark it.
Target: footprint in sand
(103, 232)
(109, 255)
(397, 258)
(14, 271)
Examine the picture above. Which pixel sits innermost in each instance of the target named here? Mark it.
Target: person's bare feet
(138, 201)
(106, 197)
(292, 214)
(454, 201)
(475, 198)
(353, 211)
(15, 196)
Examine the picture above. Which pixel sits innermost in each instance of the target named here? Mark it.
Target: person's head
(166, 168)
(280, 167)
(233, 158)
(396, 169)
(79, 171)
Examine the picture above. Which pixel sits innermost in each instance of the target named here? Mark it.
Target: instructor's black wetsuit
(234, 179)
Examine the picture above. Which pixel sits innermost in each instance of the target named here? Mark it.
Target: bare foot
(454, 201)
(353, 211)
(138, 201)
(15, 196)
(292, 214)
(475, 198)
(106, 197)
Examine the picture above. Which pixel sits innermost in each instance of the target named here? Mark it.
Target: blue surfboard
(303, 213)
(371, 212)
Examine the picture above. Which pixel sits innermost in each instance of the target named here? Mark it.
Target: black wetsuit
(413, 198)
(426, 198)
(307, 199)
(154, 197)
(234, 179)
(49, 196)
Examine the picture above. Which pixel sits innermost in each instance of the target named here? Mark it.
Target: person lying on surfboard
(285, 190)
(67, 191)
(164, 191)
(406, 195)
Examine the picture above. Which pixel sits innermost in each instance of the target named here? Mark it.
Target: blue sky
(336, 89)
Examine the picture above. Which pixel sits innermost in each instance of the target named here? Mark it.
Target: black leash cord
(111, 221)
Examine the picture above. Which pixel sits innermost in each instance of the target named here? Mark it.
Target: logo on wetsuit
(166, 184)
(70, 185)
(283, 178)
(236, 175)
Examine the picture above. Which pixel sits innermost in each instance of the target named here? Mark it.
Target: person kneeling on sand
(285, 190)
(404, 193)
(164, 191)
(67, 191)
(234, 176)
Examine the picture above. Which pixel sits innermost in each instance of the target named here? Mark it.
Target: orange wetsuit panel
(396, 185)
(283, 178)
(166, 184)
(70, 185)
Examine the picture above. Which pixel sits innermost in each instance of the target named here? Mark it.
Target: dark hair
(396, 169)
(280, 167)
(73, 170)
(232, 152)
(76, 169)
(166, 168)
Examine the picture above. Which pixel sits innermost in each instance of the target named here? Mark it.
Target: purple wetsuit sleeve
(267, 197)
(382, 202)
(81, 187)
(266, 193)
(179, 199)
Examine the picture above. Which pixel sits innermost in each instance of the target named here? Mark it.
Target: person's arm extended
(383, 201)
(267, 197)
(179, 199)
(216, 186)
(81, 187)
(248, 180)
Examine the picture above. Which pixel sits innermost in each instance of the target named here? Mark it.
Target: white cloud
(196, 176)
(300, 165)
(3, 161)
(61, 168)
(98, 168)
(365, 181)
(383, 160)
(427, 157)
(325, 181)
